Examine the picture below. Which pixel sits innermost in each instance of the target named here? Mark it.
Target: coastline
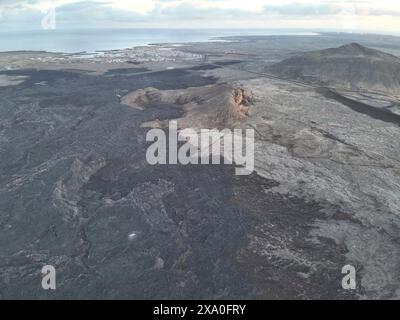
(71, 40)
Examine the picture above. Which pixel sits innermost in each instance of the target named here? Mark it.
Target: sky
(341, 15)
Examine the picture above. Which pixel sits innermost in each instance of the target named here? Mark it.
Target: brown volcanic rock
(140, 98)
(350, 66)
(215, 106)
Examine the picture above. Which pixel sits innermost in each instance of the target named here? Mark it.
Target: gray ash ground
(382, 114)
(283, 224)
(77, 193)
(117, 227)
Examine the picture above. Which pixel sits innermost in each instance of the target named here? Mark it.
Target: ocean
(92, 40)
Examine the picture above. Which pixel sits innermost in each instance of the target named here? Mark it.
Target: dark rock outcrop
(351, 66)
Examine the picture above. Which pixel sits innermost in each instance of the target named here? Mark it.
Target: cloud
(87, 12)
(357, 8)
(300, 9)
(21, 2)
(92, 13)
(71, 15)
(191, 13)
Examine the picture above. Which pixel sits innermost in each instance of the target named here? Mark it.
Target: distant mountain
(351, 66)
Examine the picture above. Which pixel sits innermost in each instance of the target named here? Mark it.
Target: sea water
(92, 40)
